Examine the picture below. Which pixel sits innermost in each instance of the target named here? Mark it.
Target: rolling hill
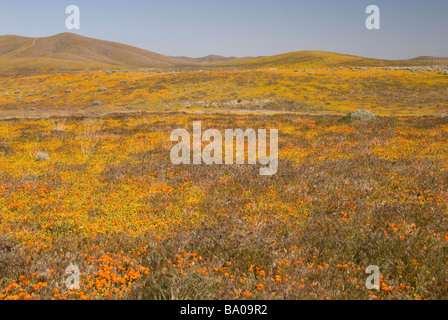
(67, 51)
(323, 59)
(72, 52)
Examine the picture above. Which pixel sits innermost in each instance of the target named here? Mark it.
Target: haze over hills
(72, 52)
(213, 58)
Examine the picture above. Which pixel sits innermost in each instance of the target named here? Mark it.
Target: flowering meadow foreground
(101, 193)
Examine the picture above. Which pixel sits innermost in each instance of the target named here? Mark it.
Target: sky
(196, 28)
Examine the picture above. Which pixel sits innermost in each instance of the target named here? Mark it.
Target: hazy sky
(195, 28)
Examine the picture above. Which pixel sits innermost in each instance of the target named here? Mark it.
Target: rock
(360, 115)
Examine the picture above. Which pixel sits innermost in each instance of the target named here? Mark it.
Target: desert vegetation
(86, 179)
(101, 193)
(383, 91)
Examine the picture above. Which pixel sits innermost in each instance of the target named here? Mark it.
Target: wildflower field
(97, 188)
(384, 91)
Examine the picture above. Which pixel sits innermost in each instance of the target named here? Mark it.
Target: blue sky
(195, 28)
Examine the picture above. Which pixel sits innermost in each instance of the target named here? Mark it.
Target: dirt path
(101, 113)
(17, 52)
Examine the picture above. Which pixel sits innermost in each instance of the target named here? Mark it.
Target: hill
(67, 51)
(212, 58)
(322, 59)
(72, 52)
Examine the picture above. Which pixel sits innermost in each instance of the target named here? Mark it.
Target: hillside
(67, 51)
(322, 59)
(72, 52)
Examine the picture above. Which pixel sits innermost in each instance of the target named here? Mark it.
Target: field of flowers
(101, 193)
(338, 91)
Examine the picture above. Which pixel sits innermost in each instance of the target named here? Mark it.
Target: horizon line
(232, 56)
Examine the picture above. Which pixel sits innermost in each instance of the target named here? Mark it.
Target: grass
(320, 59)
(384, 92)
(108, 200)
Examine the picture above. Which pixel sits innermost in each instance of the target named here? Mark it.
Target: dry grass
(384, 92)
(322, 59)
(346, 196)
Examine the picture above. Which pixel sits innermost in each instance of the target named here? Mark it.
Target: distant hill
(72, 52)
(323, 59)
(212, 58)
(429, 58)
